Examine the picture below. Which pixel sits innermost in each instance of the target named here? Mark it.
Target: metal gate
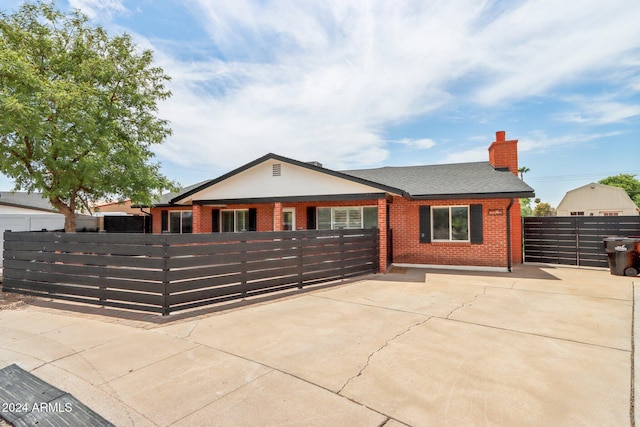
(574, 240)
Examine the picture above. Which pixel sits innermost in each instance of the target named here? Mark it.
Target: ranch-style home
(464, 214)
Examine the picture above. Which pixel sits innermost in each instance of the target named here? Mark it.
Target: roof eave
(497, 195)
(34, 208)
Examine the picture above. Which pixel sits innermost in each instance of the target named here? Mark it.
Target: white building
(597, 200)
(26, 212)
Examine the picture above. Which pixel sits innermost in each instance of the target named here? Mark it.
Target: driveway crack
(386, 343)
(464, 304)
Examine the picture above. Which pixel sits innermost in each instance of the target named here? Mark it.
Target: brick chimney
(503, 153)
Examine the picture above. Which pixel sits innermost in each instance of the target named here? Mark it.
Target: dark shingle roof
(25, 200)
(458, 179)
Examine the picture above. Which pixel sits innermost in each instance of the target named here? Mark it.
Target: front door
(288, 219)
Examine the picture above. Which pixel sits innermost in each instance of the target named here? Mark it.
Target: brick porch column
(196, 218)
(382, 228)
(277, 216)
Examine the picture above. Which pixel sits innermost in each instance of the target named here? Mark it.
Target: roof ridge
(416, 166)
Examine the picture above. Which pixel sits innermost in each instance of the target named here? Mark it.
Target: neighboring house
(26, 212)
(120, 217)
(597, 200)
(116, 208)
(463, 214)
(21, 211)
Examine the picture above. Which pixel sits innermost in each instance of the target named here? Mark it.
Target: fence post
(166, 309)
(576, 227)
(243, 269)
(300, 262)
(375, 236)
(342, 252)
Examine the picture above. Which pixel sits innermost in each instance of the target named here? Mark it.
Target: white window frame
(293, 218)
(450, 239)
(235, 220)
(333, 217)
(181, 212)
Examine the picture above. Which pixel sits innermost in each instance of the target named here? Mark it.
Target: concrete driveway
(541, 346)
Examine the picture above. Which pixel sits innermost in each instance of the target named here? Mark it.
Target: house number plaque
(495, 212)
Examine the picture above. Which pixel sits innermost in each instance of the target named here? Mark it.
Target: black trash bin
(622, 253)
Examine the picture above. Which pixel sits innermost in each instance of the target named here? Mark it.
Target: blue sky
(359, 84)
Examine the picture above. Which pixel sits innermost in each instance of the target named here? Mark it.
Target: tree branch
(24, 160)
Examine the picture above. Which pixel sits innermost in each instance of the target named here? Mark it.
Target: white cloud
(535, 47)
(540, 141)
(601, 112)
(322, 80)
(95, 8)
(421, 144)
(537, 141)
(478, 154)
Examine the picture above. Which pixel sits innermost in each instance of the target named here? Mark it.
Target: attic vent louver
(277, 169)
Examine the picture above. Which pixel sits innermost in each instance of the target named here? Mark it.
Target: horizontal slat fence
(574, 240)
(171, 272)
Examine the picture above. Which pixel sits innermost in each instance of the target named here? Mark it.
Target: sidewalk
(541, 346)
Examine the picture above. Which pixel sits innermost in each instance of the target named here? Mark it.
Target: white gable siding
(259, 181)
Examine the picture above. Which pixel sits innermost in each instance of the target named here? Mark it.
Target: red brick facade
(403, 215)
(407, 247)
(404, 223)
(504, 154)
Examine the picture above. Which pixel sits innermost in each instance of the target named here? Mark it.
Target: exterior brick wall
(156, 223)
(407, 247)
(404, 222)
(277, 216)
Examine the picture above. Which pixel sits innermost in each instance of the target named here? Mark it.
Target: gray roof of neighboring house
(457, 179)
(166, 198)
(25, 200)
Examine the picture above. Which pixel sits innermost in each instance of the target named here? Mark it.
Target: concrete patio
(544, 345)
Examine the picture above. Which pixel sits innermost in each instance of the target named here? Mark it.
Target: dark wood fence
(574, 240)
(171, 272)
(127, 224)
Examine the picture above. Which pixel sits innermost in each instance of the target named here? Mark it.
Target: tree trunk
(70, 223)
(69, 214)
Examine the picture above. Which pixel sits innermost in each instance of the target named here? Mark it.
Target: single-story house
(117, 208)
(121, 217)
(21, 211)
(464, 214)
(597, 200)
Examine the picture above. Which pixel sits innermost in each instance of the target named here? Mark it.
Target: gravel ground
(10, 301)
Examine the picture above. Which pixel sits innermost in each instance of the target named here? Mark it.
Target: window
(288, 219)
(370, 216)
(347, 217)
(180, 222)
(235, 220)
(450, 223)
(610, 213)
(577, 213)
